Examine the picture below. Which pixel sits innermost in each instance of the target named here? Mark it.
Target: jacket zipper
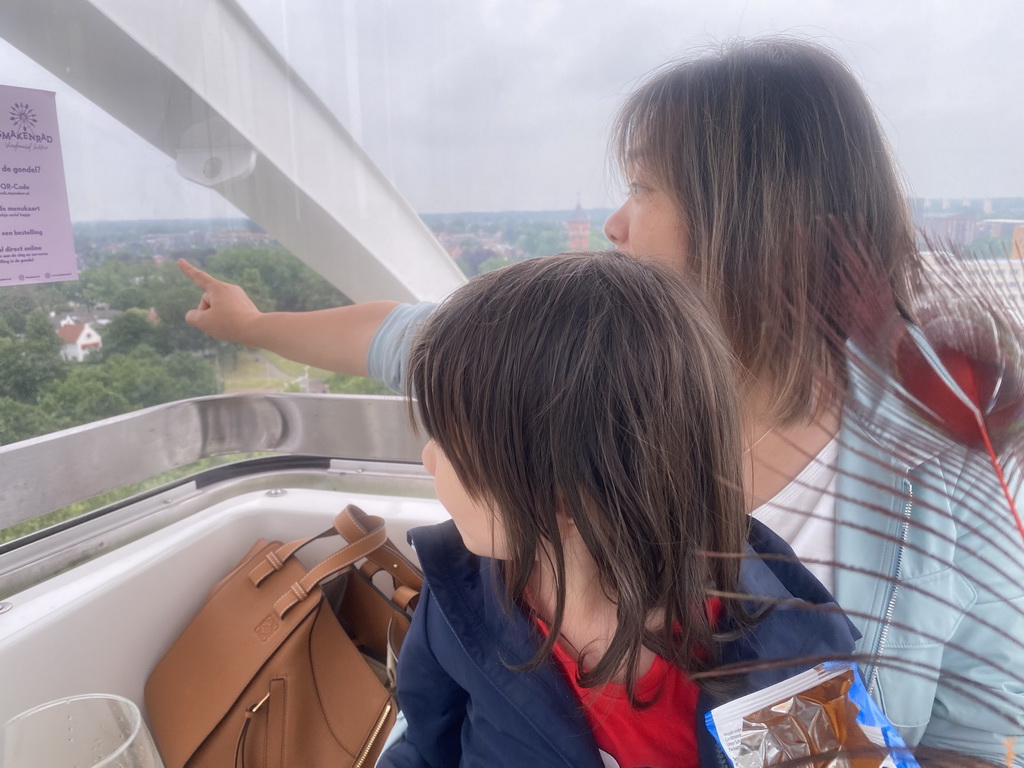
(883, 634)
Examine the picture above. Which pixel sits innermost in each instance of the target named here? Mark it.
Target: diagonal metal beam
(200, 82)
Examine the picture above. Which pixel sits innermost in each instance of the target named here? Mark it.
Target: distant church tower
(579, 230)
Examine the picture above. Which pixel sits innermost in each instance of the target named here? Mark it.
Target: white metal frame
(200, 82)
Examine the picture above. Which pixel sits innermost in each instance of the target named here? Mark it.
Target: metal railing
(50, 472)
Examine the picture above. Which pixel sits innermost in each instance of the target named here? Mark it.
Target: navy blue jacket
(466, 707)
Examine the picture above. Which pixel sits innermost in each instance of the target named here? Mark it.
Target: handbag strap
(275, 559)
(350, 531)
(367, 539)
(351, 524)
(374, 538)
(405, 598)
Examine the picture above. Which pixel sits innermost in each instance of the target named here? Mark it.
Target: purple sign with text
(35, 224)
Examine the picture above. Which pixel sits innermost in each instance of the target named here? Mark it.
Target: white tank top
(804, 514)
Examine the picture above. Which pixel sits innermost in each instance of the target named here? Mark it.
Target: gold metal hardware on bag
(240, 745)
(373, 736)
(253, 709)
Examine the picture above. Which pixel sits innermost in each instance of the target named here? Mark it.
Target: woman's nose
(616, 228)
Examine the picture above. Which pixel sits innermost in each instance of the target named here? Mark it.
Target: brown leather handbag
(285, 666)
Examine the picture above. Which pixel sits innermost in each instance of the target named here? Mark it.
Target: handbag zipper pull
(240, 748)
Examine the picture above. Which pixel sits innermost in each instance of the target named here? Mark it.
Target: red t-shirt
(660, 736)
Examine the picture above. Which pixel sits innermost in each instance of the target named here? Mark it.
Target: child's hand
(225, 311)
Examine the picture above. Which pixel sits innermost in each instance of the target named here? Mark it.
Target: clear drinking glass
(92, 731)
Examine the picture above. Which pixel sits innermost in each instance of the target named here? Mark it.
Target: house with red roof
(79, 340)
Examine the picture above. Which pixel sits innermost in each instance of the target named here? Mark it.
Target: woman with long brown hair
(760, 171)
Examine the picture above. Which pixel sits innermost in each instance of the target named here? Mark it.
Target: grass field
(250, 373)
(293, 369)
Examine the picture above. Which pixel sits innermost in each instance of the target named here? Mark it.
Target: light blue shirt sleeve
(389, 348)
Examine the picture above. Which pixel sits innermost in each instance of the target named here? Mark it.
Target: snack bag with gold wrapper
(824, 714)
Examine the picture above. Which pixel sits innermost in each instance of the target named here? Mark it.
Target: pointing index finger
(196, 275)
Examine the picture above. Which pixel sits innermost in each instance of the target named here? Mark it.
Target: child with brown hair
(600, 572)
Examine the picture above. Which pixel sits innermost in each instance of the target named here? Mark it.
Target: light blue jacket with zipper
(930, 567)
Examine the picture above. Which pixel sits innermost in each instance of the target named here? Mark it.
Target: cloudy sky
(478, 105)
